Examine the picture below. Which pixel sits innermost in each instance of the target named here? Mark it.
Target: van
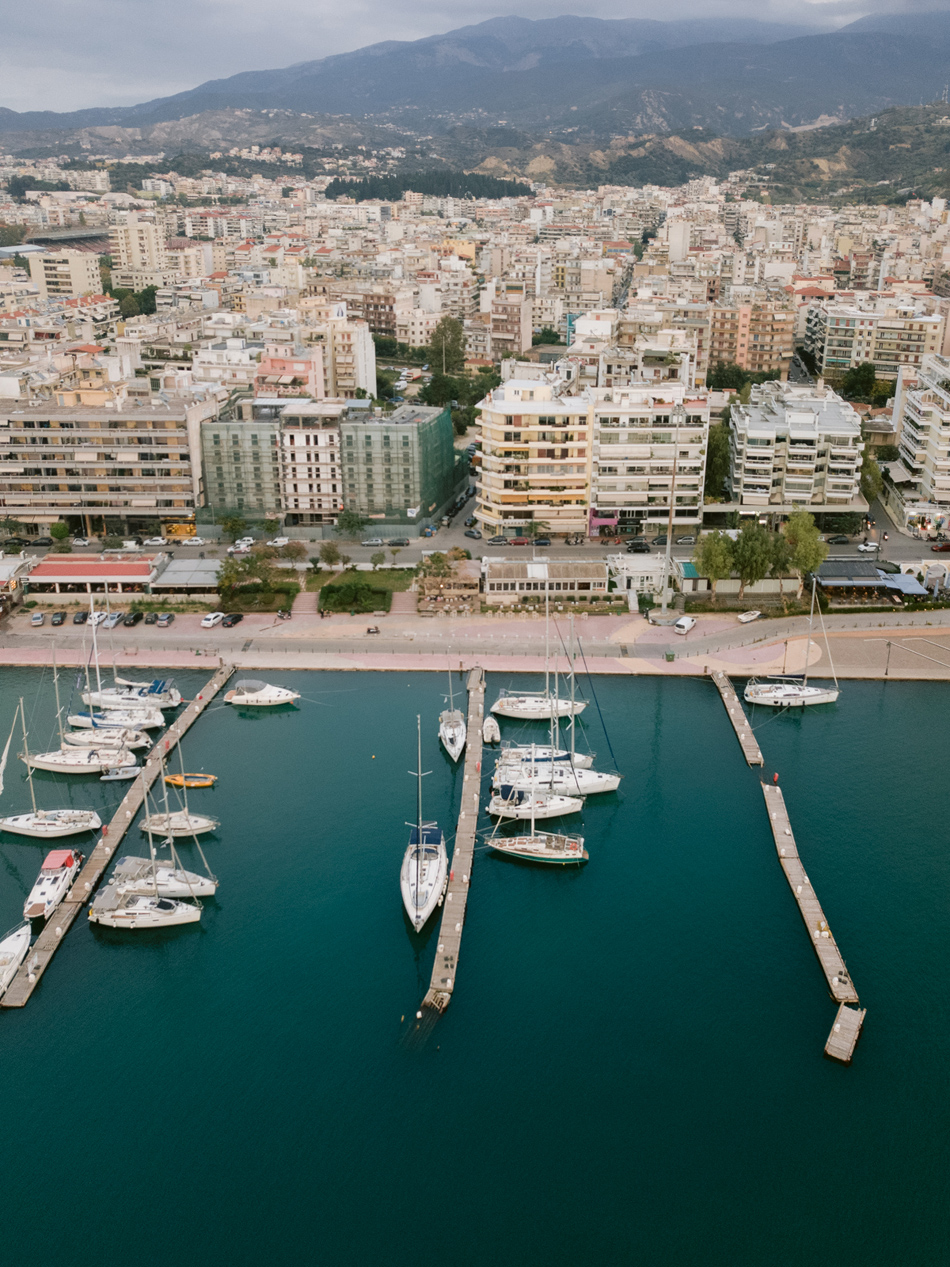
(684, 625)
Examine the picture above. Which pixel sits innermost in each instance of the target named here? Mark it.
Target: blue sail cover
(158, 687)
(509, 794)
(431, 835)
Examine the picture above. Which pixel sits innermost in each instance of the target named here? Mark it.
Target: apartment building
(759, 337)
(400, 468)
(242, 461)
(230, 362)
(117, 468)
(511, 320)
(889, 335)
(290, 370)
(139, 256)
(65, 274)
(311, 472)
(794, 446)
(922, 405)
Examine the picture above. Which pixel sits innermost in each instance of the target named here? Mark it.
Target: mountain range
(581, 77)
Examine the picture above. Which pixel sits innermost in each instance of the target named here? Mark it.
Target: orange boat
(191, 780)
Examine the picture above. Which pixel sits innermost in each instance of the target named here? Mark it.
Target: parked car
(37, 619)
(660, 540)
(839, 540)
(470, 521)
(80, 617)
(519, 541)
(155, 541)
(58, 618)
(80, 541)
(398, 541)
(212, 619)
(473, 533)
(234, 618)
(13, 543)
(686, 541)
(151, 618)
(942, 547)
(746, 618)
(373, 542)
(279, 541)
(244, 541)
(684, 625)
(498, 541)
(236, 550)
(542, 541)
(133, 619)
(190, 541)
(165, 619)
(869, 547)
(112, 620)
(42, 541)
(638, 547)
(97, 618)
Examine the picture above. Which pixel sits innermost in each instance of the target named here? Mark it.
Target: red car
(942, 547)
(519, 541)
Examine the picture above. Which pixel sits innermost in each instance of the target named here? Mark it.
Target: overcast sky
(69, 54)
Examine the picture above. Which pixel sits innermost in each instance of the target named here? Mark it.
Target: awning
(37, 519)
(898, 472)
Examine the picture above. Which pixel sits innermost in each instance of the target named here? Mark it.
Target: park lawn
(354, 594)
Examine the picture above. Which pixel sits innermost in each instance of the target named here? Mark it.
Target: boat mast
(59, 711)
(148, 823)
(95, 653)
(547, 645)
(811, 617)
(418, 806)
(26, 755)
(827, 648)
(573, 713)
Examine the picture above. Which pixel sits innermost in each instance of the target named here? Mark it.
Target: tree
(395, 552)
(713, 558)
(271, 525)
(546, 335)
(447, 345)
(10, 525)
(536, 528)
(378, 558)
(349, 523)
(872, 481)
(59, 532)
(435, 565)
(752, 555)
(781, 563)
(717, 463)
(330, 554)
(887, 453)
(234, 526)
(727, 376)
(808, 549)
(129, 306)
(858, 382)
(295, 550)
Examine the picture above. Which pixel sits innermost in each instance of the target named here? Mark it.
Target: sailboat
(72, 760)
(160, 876)
(509, 802)
(117, 737)
(789, 691)
(118, 719)
(424, 872)
(13, 950)
(552, 847)
(538, 705)
(49, 824)
(158, 694)
(60, 868)
(179, 822)
(452, 727)
(538, 753)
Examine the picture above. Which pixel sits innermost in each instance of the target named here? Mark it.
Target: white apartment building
(230, 362)
(311, 478)
(66, 274)
(920, 492)
(890, 335)
(139, 255)
(796, 446)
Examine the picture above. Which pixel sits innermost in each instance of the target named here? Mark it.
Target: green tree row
(437, 184)
(757, 553)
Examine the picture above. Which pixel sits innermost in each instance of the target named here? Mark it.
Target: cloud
(118, 52)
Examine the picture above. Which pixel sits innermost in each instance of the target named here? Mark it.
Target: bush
(354, 595)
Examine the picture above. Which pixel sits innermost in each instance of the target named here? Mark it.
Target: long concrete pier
(59, 923)
(826, 948)
(445, 968)
(740, 723)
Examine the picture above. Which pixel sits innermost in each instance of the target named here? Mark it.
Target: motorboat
(452, 730)
(13, 950)
(118, 773)
(491, 731)
(79, 760)
(53, 882)
(119, 718)
(424, 872)
(140, 910)
(191, 780)
(535, 706)
(553, 777)
(165, 878)
(114, 737)
(179, 823)
(52, 824)
(259, 694)
(158, 694)
(792, 690)
(509, 802)
(542, 847)
(541, 753)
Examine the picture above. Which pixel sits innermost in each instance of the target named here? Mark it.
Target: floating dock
(826, 948)
(845, 1033)
(445, 968)
(740, 722)
(42, 951)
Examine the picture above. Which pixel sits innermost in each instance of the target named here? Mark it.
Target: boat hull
(80, 760)
(452, 734)
(525, 777)
(536, 707)
(133, 719)
(537, 753)
(551, 849)
(422, 888)
(13, 950)
(51, 824)
(138, 912)
(178, 824)
(544, 807)
(789, 696)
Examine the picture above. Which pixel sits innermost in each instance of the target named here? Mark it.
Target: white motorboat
(179, 823)
(424, 872)
(540, 753)
(118, 773)
(140, 910)
(160, 694)
(53, 882)
(165, 878)
(793, 691)
(452, 730)
(51, 824)
(259, 694)
(509, 802)
(542, 847)
(491, 732)
(79, 760)
(553, 777)
(118, 719)
(13, 950)
(535, 706)
(113, 737)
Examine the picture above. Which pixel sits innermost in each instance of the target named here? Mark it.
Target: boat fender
(775, 777)
(418, 1016)
(478, 766)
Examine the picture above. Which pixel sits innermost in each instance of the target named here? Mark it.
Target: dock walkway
(845, 1033)
(826, 948)
(740, 723)
(59, 923)
(445, 968)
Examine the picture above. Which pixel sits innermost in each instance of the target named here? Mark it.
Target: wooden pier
(845, 1033)
(826, 948)
(740, 723)
(445, 968)
(59, 923)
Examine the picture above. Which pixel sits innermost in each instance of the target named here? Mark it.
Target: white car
(684, 625)
(80, 541)
(239, 549)
(212, 619)
(868, 546)
(191, 541)
(279, 541)
(155, 541)
(244, 541)
(747, 617)
(97, 618)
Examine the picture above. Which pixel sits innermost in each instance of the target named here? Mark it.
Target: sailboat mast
(59, 711)
(573, 712)
(547, 645)
(418, 803)
(95, 652)
(148, 824)
(26, 755)
(811, 617)
(824, 632)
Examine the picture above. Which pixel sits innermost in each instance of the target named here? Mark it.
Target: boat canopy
(250, 684)
(159, 686)
(431, 834)
(57, 858)
(508, 793)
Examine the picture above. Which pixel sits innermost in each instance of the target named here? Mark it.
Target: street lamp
(678, 419)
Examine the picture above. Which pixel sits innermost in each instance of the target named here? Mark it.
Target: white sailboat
(180, 822)
(452, 730)
(118, 719)
(13, 950)
(251, 691)
(114, 737)
(539, 753)
(140, 910)
(159, 694)
(162, 877)
(509, 802)
(59, 869)
(50, 824)
(532, 776)
(538, 705)
(79, 760)
(551, 847)
(794, 692)
(424, 872)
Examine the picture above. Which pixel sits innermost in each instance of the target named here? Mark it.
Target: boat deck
(740, 723)
(445, 968)
(42, 951)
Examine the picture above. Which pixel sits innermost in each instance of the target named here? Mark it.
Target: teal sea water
(631, 1070)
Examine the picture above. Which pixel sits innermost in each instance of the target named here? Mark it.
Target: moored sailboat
(13, 951)
(509, 802)
(424, 872)
(452, 731)
(790, 690)
(51, 824)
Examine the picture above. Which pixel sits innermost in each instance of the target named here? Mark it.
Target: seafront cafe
(95, 574)
(862, 581)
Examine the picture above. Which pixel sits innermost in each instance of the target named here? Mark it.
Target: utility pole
(678, 419)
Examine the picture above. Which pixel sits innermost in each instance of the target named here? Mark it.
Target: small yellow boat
(191, 780)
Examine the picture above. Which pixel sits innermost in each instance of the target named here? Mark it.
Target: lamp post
(678, 419)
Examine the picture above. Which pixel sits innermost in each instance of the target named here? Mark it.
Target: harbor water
(631, 1068)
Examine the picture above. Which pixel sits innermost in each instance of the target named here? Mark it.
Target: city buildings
(890, 335)
(65, 274)
(241, 461)
(917, 488)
